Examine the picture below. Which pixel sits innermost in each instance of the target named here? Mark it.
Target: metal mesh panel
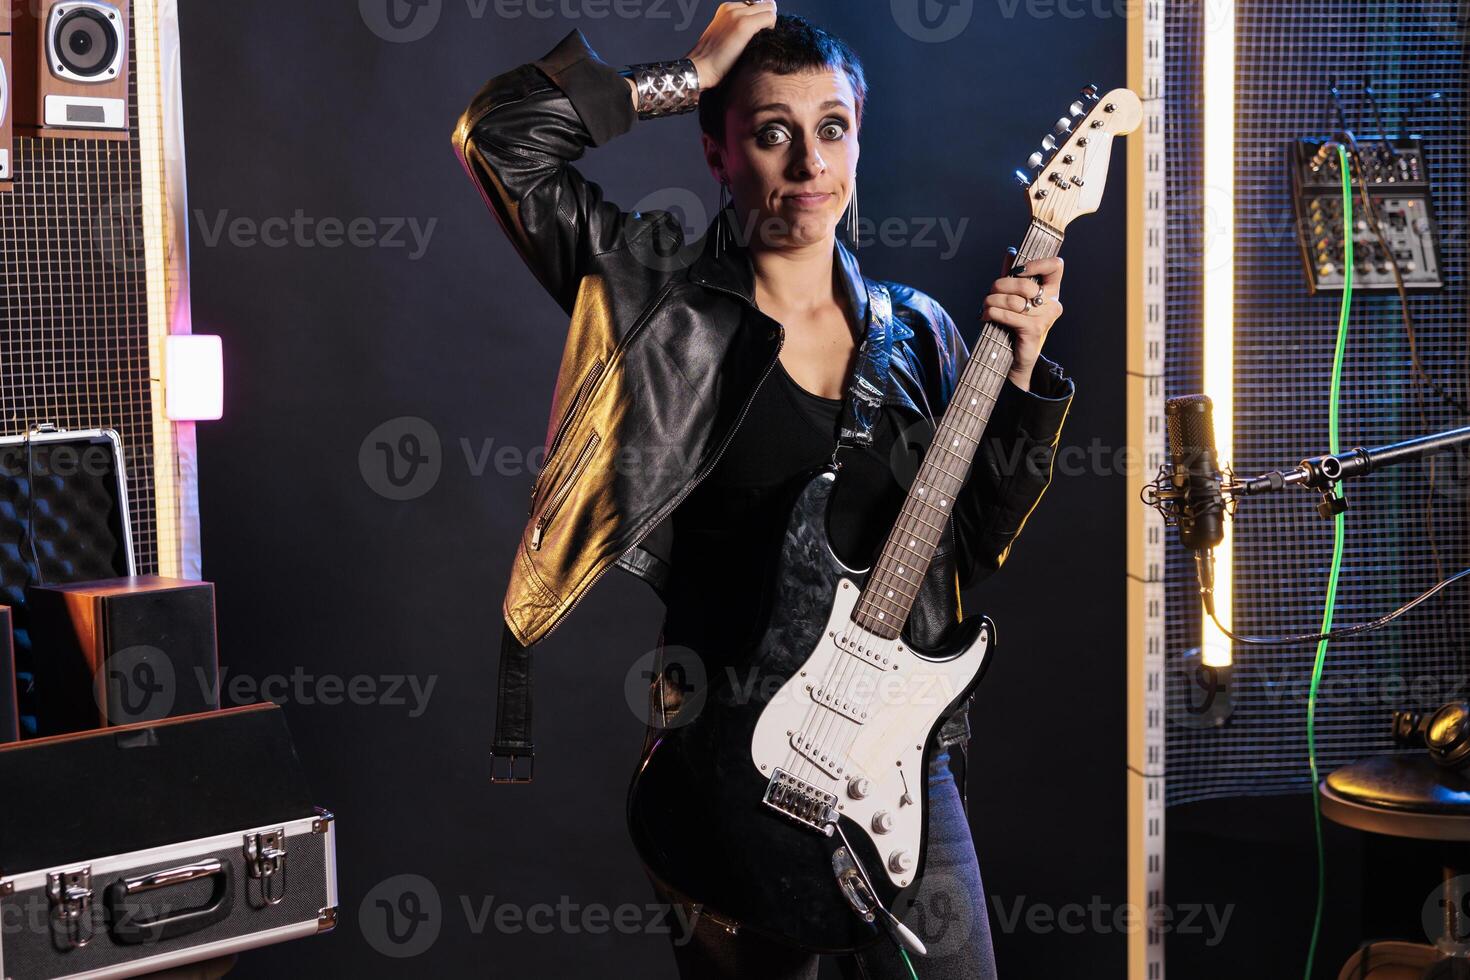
(1286, 56)
(73, 300)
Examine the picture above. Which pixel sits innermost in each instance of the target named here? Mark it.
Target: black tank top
(728, 531)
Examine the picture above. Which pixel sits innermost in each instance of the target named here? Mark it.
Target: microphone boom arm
(1323, 473)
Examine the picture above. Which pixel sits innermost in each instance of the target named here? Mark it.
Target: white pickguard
(865, 719)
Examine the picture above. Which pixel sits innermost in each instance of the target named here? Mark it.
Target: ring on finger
(1040, 298)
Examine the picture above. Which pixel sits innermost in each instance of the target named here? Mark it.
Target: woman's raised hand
(733, 26)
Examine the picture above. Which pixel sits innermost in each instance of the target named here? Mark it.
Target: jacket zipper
(664, 510)
(563, 491)
(568, 418)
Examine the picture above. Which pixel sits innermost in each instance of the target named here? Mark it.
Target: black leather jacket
(666, 348)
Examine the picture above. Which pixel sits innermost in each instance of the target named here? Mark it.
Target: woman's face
(790, 155)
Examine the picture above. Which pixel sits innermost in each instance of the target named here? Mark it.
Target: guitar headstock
(1068, 174)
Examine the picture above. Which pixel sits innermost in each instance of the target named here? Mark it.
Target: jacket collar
(732, 271)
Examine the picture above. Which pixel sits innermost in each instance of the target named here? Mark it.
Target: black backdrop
(336, 599)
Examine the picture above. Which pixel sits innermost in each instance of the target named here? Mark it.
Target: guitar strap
(512, 752)
(870, 377)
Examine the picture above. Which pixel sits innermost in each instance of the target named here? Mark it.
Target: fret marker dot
(972, 401)
(955, 443)
(942, 501)
(890, 593)
(900, 569)
(880, 615)
(912, 542)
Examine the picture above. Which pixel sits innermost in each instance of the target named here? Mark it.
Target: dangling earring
(852, 216)
(721, 237)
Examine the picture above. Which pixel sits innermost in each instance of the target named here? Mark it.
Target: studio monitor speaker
(119, 651)
(9, 707)
(7, 147)
(71, 68)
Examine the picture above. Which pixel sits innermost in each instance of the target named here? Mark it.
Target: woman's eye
(771, 137)
(833, 131)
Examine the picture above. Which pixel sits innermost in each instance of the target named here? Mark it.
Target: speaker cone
(86, 42)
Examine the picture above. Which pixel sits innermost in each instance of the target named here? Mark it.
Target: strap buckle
(511, 755)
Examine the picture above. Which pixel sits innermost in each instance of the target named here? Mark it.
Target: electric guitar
(801, 814)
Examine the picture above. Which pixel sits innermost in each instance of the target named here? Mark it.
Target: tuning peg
(1023, 178)
(1076, 109)
(1090, 92)
(1048, 142)
(1035, 160)
(1064, 125)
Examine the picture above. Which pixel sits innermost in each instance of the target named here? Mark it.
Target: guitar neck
(892, 586)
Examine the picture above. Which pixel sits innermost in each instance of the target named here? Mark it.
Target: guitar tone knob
(882, 821)
(900, 862)
(859, 787)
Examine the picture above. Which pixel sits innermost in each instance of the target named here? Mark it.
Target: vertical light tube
(1218, 93)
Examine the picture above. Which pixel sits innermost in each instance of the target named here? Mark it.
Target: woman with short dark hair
(703, 383)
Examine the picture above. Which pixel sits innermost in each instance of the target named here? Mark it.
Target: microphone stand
(1210, 705)
(1324, 473)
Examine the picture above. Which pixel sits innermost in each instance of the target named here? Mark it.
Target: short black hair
(793, 45)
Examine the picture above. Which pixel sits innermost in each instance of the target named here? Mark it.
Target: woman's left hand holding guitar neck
(1010, 304)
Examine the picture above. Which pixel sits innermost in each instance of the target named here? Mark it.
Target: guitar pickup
(843, 706)
(815, 755)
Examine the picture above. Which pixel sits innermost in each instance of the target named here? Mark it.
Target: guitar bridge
(801, 801)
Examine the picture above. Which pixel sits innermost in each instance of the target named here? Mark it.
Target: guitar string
(841, 691)
(969, 421)
(823, 742)
(970, 428)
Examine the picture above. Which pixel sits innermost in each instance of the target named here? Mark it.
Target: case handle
(129, 928)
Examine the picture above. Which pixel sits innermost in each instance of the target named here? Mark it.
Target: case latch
(70, 894)
(265, 860)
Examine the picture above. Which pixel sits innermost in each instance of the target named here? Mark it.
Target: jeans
(948, 914)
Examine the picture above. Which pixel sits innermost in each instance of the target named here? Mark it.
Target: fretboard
(888, 597)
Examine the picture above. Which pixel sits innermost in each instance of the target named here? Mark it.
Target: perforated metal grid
(1287, 54)
(73, 300)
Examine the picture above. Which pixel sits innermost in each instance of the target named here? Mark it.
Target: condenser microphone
(1195, 475)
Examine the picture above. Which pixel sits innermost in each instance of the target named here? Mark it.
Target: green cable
(1338, 533)
(908, 962)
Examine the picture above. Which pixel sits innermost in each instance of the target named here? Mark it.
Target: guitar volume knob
(900, 862)
(882, 821)
(859, 787)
